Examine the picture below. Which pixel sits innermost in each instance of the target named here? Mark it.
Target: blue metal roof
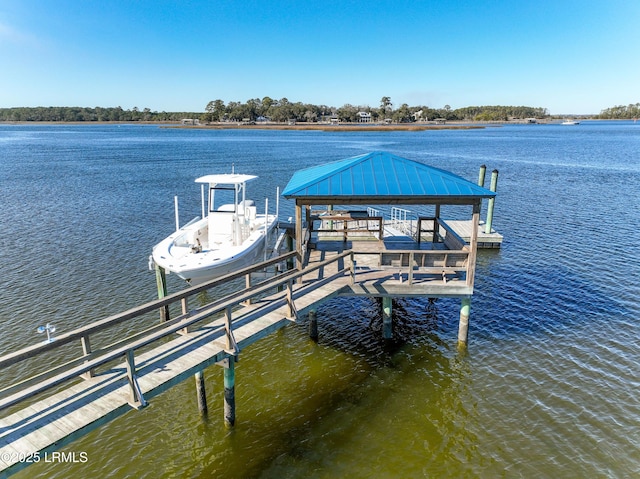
(382, 175)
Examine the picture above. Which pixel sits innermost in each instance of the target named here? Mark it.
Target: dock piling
(290, 248)
(313, 326)
(494, 185)
(481, 176)
(387, 322)
(463, 327)
(161, 282)
(201, 393)
(229, 392)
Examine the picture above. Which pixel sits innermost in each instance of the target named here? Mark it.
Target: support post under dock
(201, 393)
(387, 322)
(161, 282)
(463, 327)
(313, 326)
(229, 392)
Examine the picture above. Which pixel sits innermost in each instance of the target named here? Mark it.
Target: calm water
(547, 388)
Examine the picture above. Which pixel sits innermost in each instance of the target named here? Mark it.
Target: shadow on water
(354, 325)
(349, 378)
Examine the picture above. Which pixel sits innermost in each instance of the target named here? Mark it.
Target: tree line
(279, 111)
(66, 114)
(621, 112)
(282, 110)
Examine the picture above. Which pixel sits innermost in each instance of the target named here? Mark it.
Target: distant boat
(230, 237)
(570, 122)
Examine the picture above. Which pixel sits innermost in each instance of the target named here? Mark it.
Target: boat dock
(100, 384)
(64, 388)
(57, 405)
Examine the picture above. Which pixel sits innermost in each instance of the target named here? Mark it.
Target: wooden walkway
(44, 416)
(58, 419)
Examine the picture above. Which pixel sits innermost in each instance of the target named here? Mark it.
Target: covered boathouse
(362, 204)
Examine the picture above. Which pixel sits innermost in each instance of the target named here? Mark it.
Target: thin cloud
(11, 36)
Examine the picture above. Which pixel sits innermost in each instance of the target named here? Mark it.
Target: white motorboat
(230, 237)
(570, 122)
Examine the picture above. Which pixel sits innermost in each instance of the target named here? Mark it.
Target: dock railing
(345, 226)
(440, 232)
(402, 220)
(85, 363)
(423, 264)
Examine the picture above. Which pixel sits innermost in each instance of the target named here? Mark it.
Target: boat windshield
(223, 199)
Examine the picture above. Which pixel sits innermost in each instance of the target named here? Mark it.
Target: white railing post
(175, 207)
(266, 227)
(202, 201)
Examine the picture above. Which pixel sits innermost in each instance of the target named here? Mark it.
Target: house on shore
(364, 117)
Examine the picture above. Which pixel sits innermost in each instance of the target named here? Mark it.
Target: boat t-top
(230, 237)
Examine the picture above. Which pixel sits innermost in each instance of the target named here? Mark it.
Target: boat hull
(197, 267)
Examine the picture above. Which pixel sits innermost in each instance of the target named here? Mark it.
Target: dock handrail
(346, 225)
(442, 262)
(402, 220)
(129, 314)
(450, 238)
(83, 365)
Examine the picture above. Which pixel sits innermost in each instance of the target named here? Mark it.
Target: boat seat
(222, 233)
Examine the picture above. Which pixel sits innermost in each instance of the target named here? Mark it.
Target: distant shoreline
(271, 126)
(341, 127)
(325, 127)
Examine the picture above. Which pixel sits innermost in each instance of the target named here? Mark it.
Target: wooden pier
(101, 384)
(335, 254)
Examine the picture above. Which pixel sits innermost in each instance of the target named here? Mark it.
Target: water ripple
(547, 387)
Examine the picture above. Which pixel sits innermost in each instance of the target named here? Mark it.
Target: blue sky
(570, 56)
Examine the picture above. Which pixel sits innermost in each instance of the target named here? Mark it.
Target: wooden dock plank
(43, 427)
(485, 240)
